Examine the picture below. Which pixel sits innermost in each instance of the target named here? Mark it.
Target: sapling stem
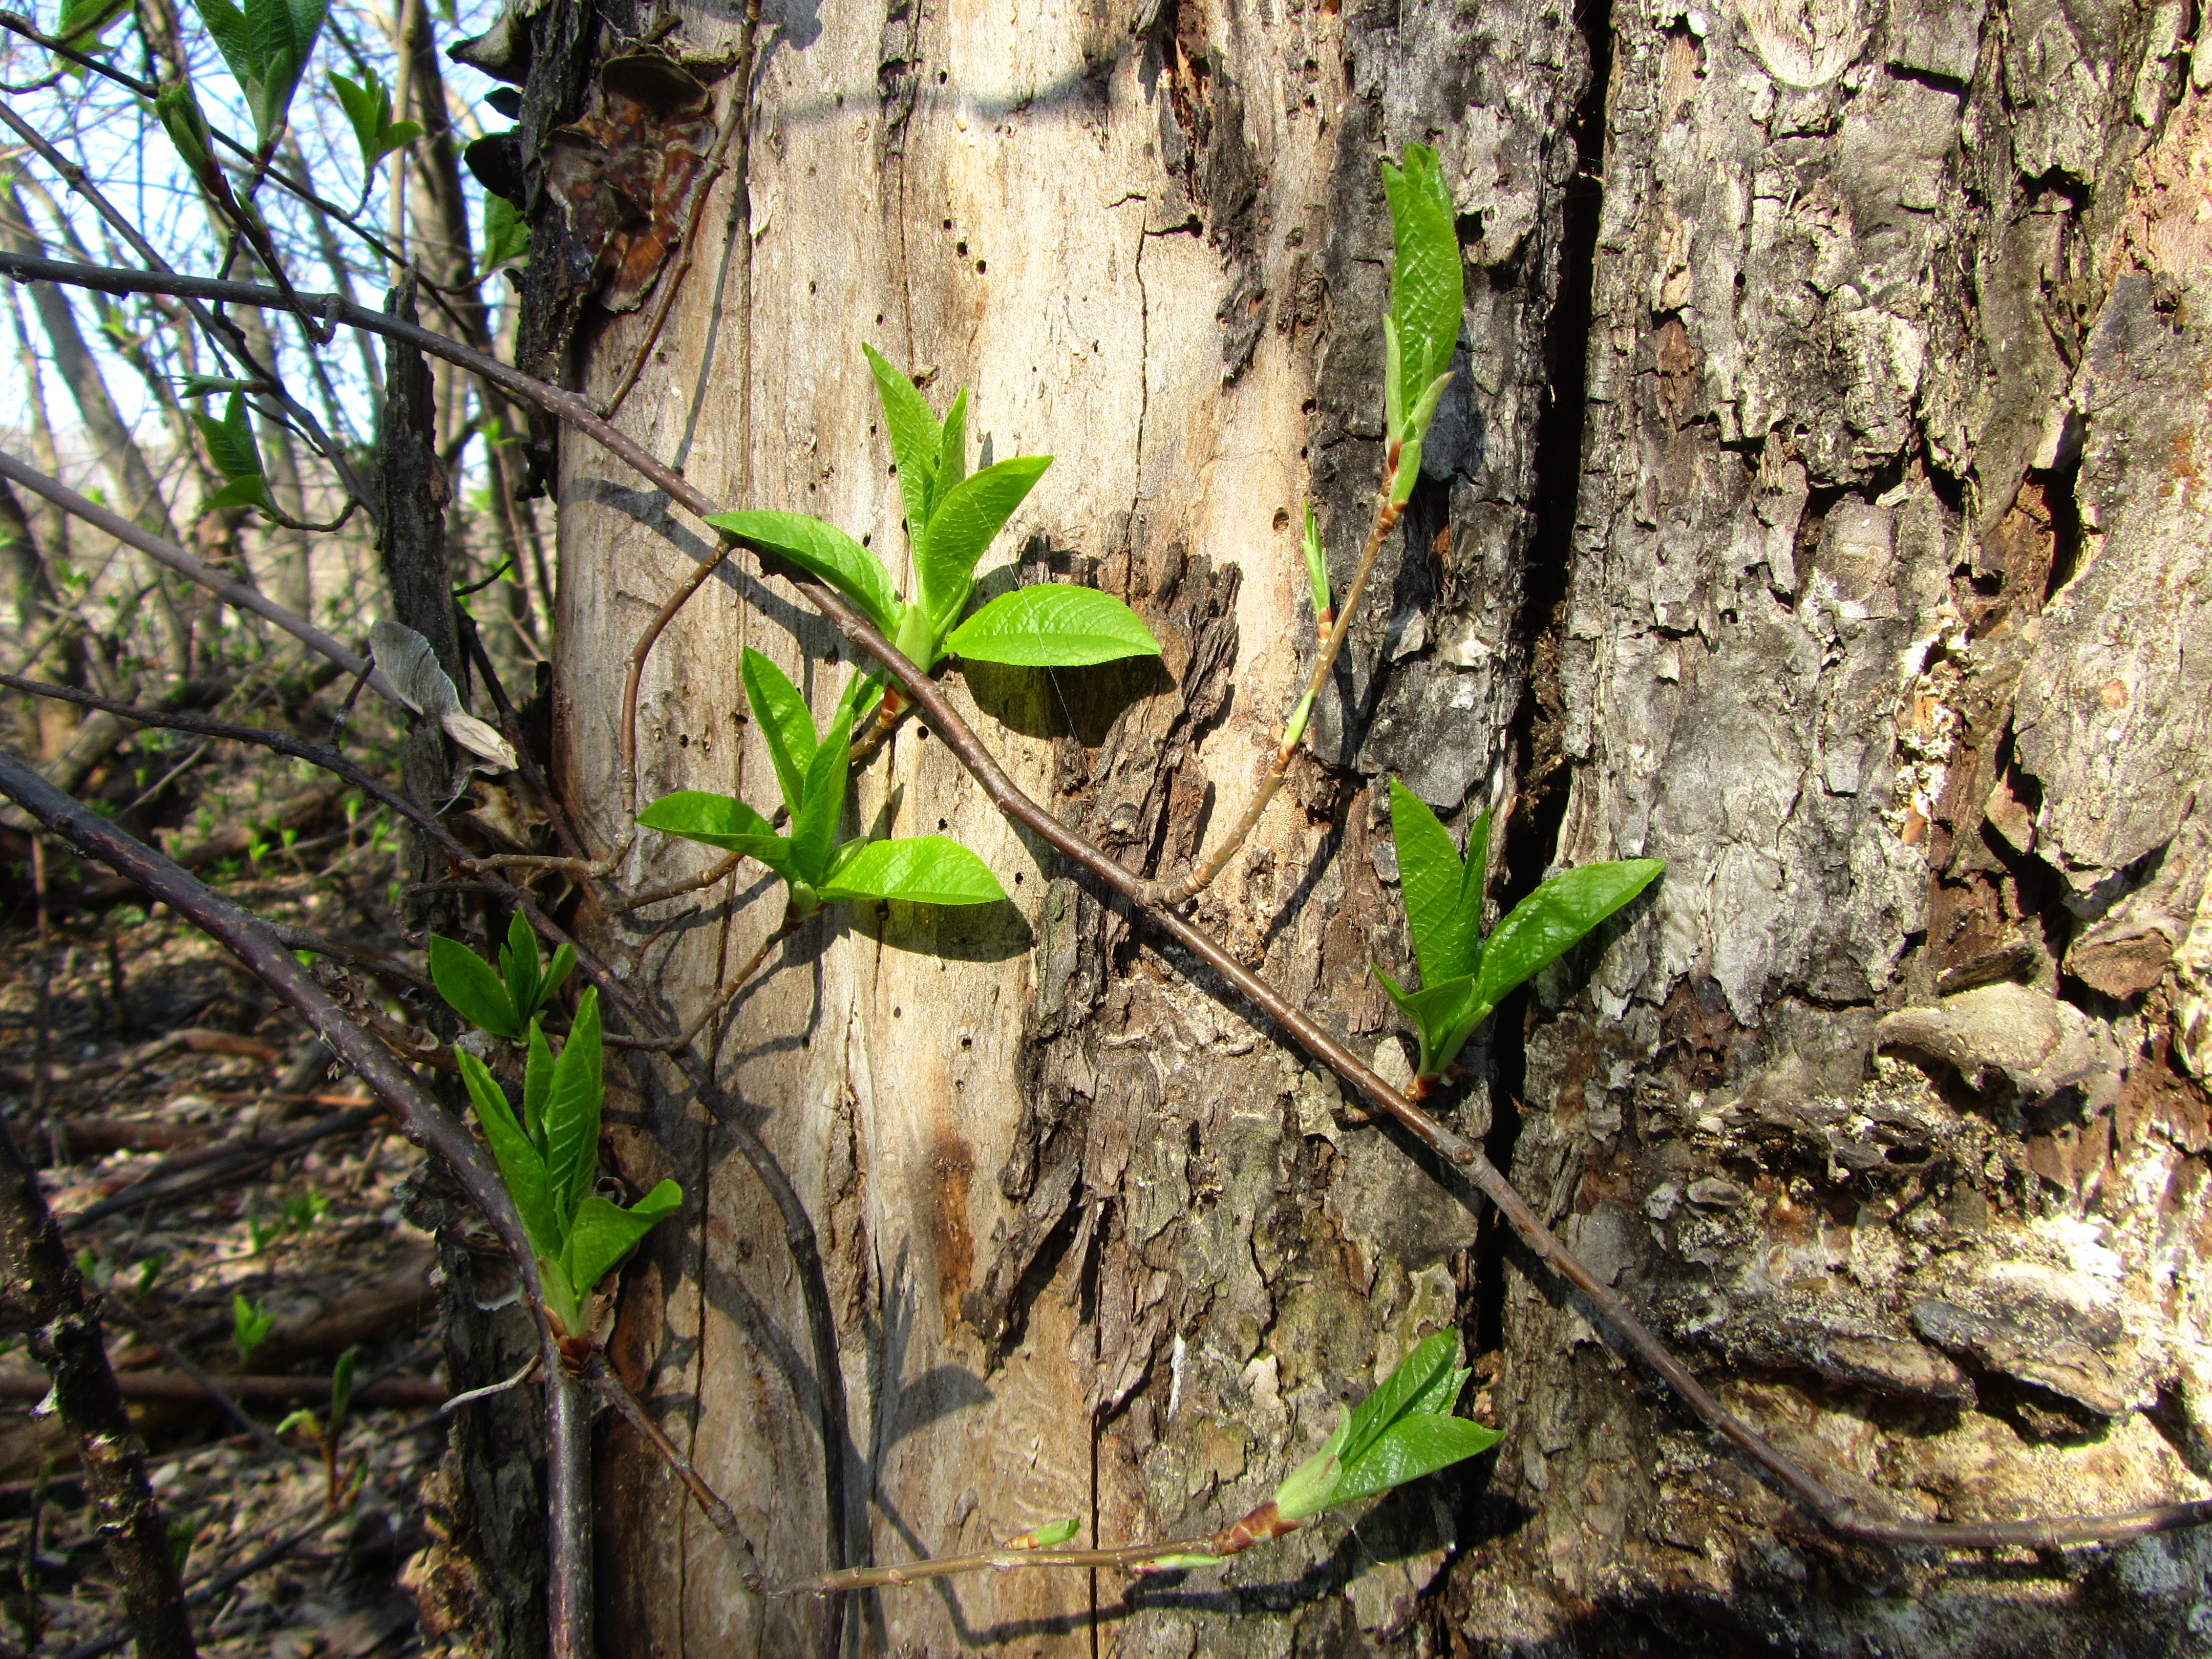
(1387, 515)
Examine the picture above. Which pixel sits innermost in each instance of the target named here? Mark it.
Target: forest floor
(150, 1078)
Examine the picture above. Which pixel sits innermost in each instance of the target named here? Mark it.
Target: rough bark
(1887, 324)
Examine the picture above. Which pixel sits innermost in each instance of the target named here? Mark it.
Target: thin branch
(235, 594)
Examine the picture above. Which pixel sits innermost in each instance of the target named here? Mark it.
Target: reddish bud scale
(1257, 1527)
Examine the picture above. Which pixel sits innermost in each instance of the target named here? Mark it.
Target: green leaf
(536, 1087)
(206, 385)
(180, 114)
(814, 824)
(1052, 625)
(915, 440)
(973, 511)
(1427, 278)
(557, 974)
(83, 21)
(230, 440)
(518, 966)
(252, 491)
(1409, 1448)
(562, 1302)
(605, 1233)
(952, 453)
(1549, 922)
(227, 26)
(1444, 895)
(520, 1167)
(924, 869)
(719, 821)
(369, 111)
(822, 550)
(785, 722)
(341, 1386)
(1437, 1012)
(472, 989)
(250, 1325)
(572, 1114)
(1391, 1399)
(1317, 565)
(505, 232)
(1049, 1536)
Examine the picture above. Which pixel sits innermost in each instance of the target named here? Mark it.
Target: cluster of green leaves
(250, 1325)
(503, 1003)
(812, 772)
(1465, 975)
(1402, 1431)
(367, 109)
(951, 517)
(236, 454)
(1428, 294)
(549, 1156)
(266, 45)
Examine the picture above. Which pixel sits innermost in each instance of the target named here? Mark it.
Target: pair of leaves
(503, 1003)
(951, 517)
(1464, 975)
(368, 107)
(231, 447)
(811, 771)
(266, 45)
(1428, 294)
(1400, 1431)
(548, 1157)
(250, 1325)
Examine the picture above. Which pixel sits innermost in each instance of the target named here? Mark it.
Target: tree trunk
(1815, 510)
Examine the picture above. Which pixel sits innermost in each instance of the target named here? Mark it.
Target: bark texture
(1862, 591)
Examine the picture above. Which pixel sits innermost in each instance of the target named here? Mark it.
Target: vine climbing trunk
(1813, 507)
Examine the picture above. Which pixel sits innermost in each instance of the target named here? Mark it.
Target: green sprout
(250, 1325)
(1464, 975)
(502, 1003)
(812, 772)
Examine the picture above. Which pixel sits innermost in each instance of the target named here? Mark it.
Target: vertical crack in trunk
(1532, 830)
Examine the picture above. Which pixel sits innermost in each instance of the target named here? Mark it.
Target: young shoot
(811, 771)
(951, 517)
(504, 1003)
(549, 1157)
(1464, 975)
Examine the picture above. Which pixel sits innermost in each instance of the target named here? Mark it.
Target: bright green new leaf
(1051, 1535)
(1409, 1450)
(563, 1304)
(952, 453)
(916, 440)
(250, 1325)
(472, 989)
(719, 821)
(1427, 279)
(267, 47)
(814, 824)
(369, 111)
(1402, 1430)
(206, 385)
(572, 1113)
(230, 440)
(252, 490)
(1317, 565)
(520, 1167)
(785, 722)
(505, 233)
(1546, 925)
(924, 869)
(83, 21)
(537, 1088)
(518, 966)
(342, 1376)
(822, 550)
(180, 114)
(557, 974)
(1438, 1013)
(961, 526)
(1444, 893)
(603, 1233)
(1052, 625)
